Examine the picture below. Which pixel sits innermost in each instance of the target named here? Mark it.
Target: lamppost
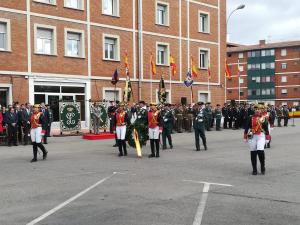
(242, 6)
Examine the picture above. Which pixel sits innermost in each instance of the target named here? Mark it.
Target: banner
(69, 116)
(98, 116)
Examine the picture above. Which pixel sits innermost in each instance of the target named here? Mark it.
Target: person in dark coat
(225, 115)
(167, 123)
(199, 125)
(46, 117)
(11, 119)
(25, 121)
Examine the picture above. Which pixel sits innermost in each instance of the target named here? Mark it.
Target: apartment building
(268, 72)
(53, 50)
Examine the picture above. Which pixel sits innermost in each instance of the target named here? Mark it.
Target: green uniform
(285, 116)
(167, 122)
(279, 115)
(199, 127)
(208, 118)
(179, 119)
(218, 114)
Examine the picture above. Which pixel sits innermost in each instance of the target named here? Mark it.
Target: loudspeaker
(183, 100)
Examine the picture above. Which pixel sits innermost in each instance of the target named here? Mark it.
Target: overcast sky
(273, 20)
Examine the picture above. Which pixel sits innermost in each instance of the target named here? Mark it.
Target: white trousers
(36, 135)
(121, 132)
(154, 133)
(257, 143)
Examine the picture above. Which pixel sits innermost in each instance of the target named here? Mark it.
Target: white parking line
(60, 206)
(199, 214)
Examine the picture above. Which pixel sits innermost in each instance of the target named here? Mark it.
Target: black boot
(204, 143)
(157, 148)
(116, 144)
(124, 147)
(34, 148)
(261, 156)
(170, 141)
(45, 153)
(120, 147)
(254, 162)
(152, 148)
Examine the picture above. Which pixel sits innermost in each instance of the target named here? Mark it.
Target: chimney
(262, 42)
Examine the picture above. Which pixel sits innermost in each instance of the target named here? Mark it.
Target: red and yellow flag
(153, 66)
(193, 68)
(227, 71)
(172, 65)
(126, 63)
(209, 71)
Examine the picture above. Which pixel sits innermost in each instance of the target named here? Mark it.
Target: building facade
(53, 50)
(265, 72)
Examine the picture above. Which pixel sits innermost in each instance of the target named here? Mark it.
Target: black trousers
(286, 120)
(225, 124)
(261, 157)
(279, 122)
(26, 129)
(218, 124)
(12, 134)
(201, 133)
(20, 132)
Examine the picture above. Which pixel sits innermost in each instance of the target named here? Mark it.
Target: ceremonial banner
(69, 116)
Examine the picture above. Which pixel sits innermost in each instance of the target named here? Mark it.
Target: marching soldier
(37, 122)
(167, 122)
(199, 125)
(122, 120)
(286, 115)
(153, 125)
(208, 116)
(218, 114)
(259, 133)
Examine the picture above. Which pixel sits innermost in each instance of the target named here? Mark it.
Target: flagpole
(170, 72)
(225, 84)
(192, 95)
(151, 83)
(239, 81)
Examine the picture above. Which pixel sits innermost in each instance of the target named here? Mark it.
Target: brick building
(52, 50)
(269, 72)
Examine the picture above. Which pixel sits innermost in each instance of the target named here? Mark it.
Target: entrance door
(53, 102)
(4, 97)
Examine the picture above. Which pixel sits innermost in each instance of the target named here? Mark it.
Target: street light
(238, 8)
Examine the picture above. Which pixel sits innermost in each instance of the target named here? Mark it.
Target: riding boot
(261, 156)
(34, 148)
(157, 148)
(254, 162)
(120, 147)
(152, 148)
(170, 141)
(45, 153)
(124, 147)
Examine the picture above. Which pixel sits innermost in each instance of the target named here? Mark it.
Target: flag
(153, 66)
(172, 65)
(188, 80)
(209, 72)
(126, 64)
(162, 95)
(115, 77)
(127, 90)
(227, 71)
(193, 68)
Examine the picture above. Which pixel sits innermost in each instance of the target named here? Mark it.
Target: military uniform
(208, 117)
(154, 119)
(199, 126)
(225, 115)
(189, 119)
(285, 116)
(218, 115)
(279, 114)
(179, 119)
(167, 122)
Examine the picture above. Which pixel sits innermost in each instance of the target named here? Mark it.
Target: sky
(272, 20)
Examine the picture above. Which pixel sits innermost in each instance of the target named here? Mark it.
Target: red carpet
(102, 136)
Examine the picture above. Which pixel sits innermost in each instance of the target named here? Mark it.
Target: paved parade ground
(86, 183)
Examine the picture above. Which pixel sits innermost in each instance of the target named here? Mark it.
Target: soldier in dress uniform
(37, 122)
(279, 115)
(179, 118)
(218, 115)
(167, 124)
(189, 118)
(199, 125)
(142, 114)
(208, 116)
(272, 112)
(96, 114)
(154, 119)
(225, 115)
(122, 120)
(257, 132)
(286, 116)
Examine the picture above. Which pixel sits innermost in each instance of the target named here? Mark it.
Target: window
(267, 66)
(162, 52)
(162, 13)
(204, 25)
(263, 91)
(257, 79)
(284, 91)
(250, 92)
(295, 89)
(241, 55)
(241, 80)
(74, 43)
(263, 79)
(74, 4)
(111, 48)
(110, 7)
(295, 103)
(283, 66)
(272, 91)
(229, 91)
(203, 58)
(268, 52)
(241, 93)
(241, 68)
(268, 79)
(254, 54)
(253, 66)
(283, 52)
(283, 79)
(268, 91)
(45, 40)
(111, 94)
(51, 2)
(5, 35)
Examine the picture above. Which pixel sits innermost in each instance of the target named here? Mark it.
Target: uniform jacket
(264, 125)
(199, 119)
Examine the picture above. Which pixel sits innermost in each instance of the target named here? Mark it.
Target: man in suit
(46, 117)
(25, 120)
(11, 119)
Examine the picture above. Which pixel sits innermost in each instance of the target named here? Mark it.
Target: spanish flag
(126, 64)
(153, 66)
(172, 65)
(227, 71)
(193, 68)
(209, 71)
